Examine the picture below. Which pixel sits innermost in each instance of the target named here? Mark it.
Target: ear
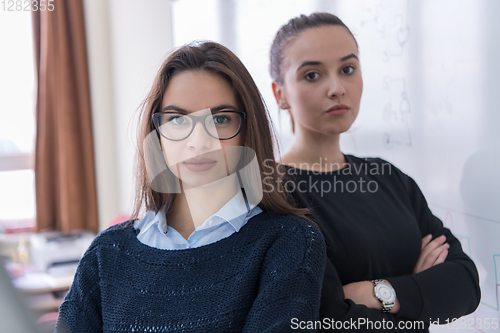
(279, 94)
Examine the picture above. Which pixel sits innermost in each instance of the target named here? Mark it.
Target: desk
(44, 292)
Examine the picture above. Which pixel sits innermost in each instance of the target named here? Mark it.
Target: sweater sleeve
(290, 281)
(344, 315)
(445, 291)
(81, 309)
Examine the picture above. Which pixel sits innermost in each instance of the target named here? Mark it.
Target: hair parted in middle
(258, 133)
(291, 30)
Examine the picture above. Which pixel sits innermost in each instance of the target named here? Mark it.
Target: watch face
(385, 293)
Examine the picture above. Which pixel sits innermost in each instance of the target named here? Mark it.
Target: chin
(339, 127)
(192, 179)
(333, 130)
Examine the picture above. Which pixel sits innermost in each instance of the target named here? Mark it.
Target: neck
(315, 151)
(195, 205)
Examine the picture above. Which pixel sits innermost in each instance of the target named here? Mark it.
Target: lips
(199, 164)
(338, 110)
(199, 160)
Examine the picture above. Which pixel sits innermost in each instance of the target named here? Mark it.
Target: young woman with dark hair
(389, 259)
(217, 250)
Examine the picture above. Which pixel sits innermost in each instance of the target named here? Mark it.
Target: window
(17, 122)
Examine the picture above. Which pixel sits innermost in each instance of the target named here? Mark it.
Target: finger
(433, 245)
(428, 260)
(418, 268)
(426, 240)
(428, 248)
(442, 257)
(433, 256)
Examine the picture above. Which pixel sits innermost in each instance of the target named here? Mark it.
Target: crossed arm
(433, 252)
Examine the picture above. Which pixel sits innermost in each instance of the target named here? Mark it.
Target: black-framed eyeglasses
(177, 126)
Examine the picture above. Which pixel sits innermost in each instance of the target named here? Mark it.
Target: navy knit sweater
(256, 280)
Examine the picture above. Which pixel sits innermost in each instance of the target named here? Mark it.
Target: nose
(335, 87)
(199, 138)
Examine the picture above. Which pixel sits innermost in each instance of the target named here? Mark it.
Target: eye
(177, 120)
(348, 70)
(311, 76)
(220, 119)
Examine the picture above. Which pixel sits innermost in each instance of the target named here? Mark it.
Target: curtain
(65, 185)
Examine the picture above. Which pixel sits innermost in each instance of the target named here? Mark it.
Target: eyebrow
(214, 109)
(316, 63)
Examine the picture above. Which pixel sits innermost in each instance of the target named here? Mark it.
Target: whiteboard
(431, 102)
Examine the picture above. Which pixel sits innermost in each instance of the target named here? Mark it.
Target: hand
(362, 293)
(432, 253)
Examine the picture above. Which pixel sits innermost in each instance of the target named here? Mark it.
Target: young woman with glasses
(389, 258)
(217, 250)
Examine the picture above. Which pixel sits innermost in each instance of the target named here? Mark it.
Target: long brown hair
(258, 132)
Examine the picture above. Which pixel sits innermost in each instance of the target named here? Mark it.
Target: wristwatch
(385, 294)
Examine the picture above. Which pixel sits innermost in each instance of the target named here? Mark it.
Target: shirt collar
(234, 212)
(153, 219)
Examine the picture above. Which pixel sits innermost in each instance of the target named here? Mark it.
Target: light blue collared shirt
(229, 219)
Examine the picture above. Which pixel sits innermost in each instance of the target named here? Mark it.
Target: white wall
(127, 40)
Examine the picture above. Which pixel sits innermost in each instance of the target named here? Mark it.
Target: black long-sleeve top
(373, 218)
